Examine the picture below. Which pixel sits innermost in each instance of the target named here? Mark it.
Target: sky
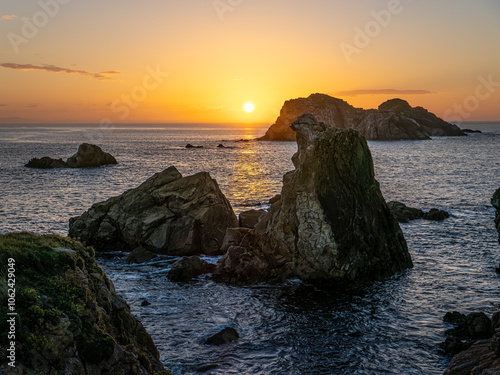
(201, 61)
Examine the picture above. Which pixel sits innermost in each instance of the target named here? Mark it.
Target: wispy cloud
(32, 106)
(382, 92)
(8, 17)
(56, 69)
(3, 105)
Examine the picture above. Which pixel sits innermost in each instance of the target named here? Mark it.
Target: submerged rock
(225, 336)
(471, 131)
(189, 145)
(188, 268)
(331, 223)
(71, 320)
(46, 163)
(167, 214)
(394, 119)
(405, 214)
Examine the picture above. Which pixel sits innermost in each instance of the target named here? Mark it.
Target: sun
(249, 107)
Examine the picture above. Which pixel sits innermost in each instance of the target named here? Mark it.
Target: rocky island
(393, 120)
(70, 320)
(88, 156)
(331, 223)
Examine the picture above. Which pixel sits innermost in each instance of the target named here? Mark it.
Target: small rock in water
(145, 303)
(189, 145)
(498, 269)
(225, 336)
(207, 367)
(436, 215)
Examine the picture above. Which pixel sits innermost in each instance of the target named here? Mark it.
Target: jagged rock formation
(331, 222)
(394, 119)
(495, 201)
(167, 214)
(88, 156)
(70, 319)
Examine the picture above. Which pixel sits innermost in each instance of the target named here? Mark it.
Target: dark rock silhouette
(394, 119)
(331, 223)
(88, 156)
(46, 163)
(189, 145)
(471, 131)
(225, 336)
(167, 214)
(405, 214)
(495, 201)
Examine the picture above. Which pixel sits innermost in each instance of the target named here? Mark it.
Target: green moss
(144, 360)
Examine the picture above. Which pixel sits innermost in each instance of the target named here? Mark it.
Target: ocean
(390, 327)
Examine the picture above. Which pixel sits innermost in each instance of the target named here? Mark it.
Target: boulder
(188, 268)
(189, 145)
(436, 215)
(330, 225)
(233, 237)
(495, 201)
(90, 156)
(167, 214)
(248, 219)
(471, 131)
(393, 120)
(46, 163)
(225, 336)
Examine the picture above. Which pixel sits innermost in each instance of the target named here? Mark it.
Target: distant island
(394, 119)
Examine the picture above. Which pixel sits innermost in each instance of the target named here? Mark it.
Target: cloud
(382, 92)
(8, 17)
(55, 69)
(3, 105)
(32, 106)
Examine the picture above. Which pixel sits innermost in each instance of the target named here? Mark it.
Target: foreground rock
(495, 201)
(71, 321)
(88, 156)
(394, 119)
(480, 357)
(405, 214)
(167, 214)
(331, 223)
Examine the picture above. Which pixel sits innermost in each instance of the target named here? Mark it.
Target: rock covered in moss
(331, 223)
(70, 319)
(167, 214)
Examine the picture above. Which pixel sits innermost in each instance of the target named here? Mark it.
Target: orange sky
(166, 61)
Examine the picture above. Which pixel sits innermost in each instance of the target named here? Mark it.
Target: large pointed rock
(393, 120)
(167, 214)
(331, 224)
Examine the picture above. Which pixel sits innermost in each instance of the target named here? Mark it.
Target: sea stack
(167, 214)
(331, 223)
(395, 119)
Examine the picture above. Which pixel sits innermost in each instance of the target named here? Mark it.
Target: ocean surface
(391, 327)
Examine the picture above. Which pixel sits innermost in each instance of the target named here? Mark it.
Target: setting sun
(249, 107)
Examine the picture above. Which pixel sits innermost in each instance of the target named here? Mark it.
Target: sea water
(390, 327)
